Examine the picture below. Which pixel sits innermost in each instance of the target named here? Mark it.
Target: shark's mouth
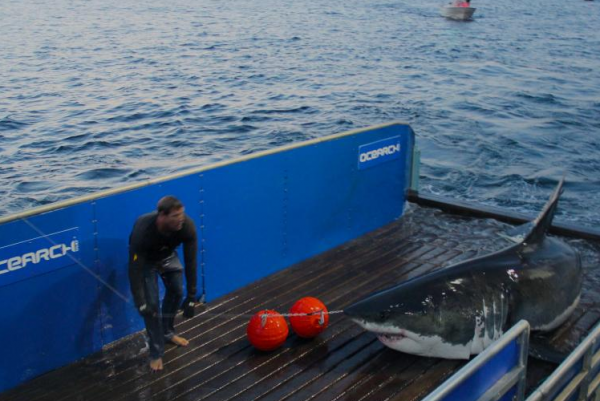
(388, 338)
(386, 335)
(404, 340)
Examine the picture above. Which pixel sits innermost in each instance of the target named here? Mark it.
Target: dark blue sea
(96, 94)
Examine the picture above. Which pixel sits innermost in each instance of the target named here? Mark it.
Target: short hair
(167, 204)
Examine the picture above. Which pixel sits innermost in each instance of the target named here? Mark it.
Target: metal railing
(467, 377)
(416, 169)
(578, 377)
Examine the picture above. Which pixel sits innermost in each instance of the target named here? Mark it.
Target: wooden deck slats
(228, 321)
(314, 372)
(345, 346)
(425, 382)
(343, 363)
(281, 301)
(333, 373)
(276, 299)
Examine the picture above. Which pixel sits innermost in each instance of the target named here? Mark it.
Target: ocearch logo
(374, 154)
(382, 151)
(44, 254)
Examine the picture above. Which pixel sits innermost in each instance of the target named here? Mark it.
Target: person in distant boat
(152, 244)
(461, 3)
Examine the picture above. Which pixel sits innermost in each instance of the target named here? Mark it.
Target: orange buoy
(314, 320)
(267, 330)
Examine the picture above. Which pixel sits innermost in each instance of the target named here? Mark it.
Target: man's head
(171, 214)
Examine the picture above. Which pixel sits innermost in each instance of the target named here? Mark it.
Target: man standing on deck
(152, 253)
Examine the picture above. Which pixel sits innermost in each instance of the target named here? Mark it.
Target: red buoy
(314, 317)
(267, 330)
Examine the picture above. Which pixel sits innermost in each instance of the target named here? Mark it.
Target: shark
(460, 310)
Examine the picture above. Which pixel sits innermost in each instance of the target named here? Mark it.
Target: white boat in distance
(457, 13)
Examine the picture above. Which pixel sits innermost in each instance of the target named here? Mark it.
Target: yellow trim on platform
(102, 194)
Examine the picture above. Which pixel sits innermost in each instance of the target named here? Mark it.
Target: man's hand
(188, 307)
(145, 311)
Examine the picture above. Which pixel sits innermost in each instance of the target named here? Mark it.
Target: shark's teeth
(390, 337)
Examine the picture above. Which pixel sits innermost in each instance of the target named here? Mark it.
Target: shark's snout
(352, 311)
(361, 311)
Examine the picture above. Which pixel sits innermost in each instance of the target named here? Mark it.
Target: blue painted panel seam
(350, 211)
(98, 268)
(202, 239)
(285, 207)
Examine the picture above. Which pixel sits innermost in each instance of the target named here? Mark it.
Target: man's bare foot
(182, 342)
(156, 365)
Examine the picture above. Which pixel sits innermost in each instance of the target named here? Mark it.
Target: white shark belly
(427, 346)
(560, 319)
(413, 343)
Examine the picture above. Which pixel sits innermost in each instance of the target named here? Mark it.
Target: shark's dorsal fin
(544, 220)
(518, 233)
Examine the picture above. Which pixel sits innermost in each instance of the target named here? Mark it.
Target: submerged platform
(344, 362)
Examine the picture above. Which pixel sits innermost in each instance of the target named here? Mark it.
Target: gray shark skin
(458, 311)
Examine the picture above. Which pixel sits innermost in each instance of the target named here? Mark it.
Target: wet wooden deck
(343, 363)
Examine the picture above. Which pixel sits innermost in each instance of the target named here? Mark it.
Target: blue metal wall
(64, 290)
(49, 316)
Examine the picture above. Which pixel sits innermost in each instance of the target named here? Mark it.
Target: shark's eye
(384, 314)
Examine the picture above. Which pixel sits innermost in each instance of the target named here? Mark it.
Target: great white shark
(458, 311)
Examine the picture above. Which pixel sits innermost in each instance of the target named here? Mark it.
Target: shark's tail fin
(543, 222)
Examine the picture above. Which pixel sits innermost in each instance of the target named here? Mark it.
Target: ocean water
(97, 94)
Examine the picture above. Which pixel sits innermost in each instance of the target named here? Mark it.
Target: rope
(331, 312)
(84, 267)
(264, 316)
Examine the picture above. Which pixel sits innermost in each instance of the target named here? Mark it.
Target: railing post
(415, 171)
(586, 367)
(524, 351)
(573, 383)
(517, 336)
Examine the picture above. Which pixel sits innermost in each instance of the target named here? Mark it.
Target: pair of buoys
(268, 330)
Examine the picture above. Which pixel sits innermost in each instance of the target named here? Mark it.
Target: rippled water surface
(95, 94)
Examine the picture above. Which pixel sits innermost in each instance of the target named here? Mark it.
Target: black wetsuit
(152, 254)
(152, 247)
